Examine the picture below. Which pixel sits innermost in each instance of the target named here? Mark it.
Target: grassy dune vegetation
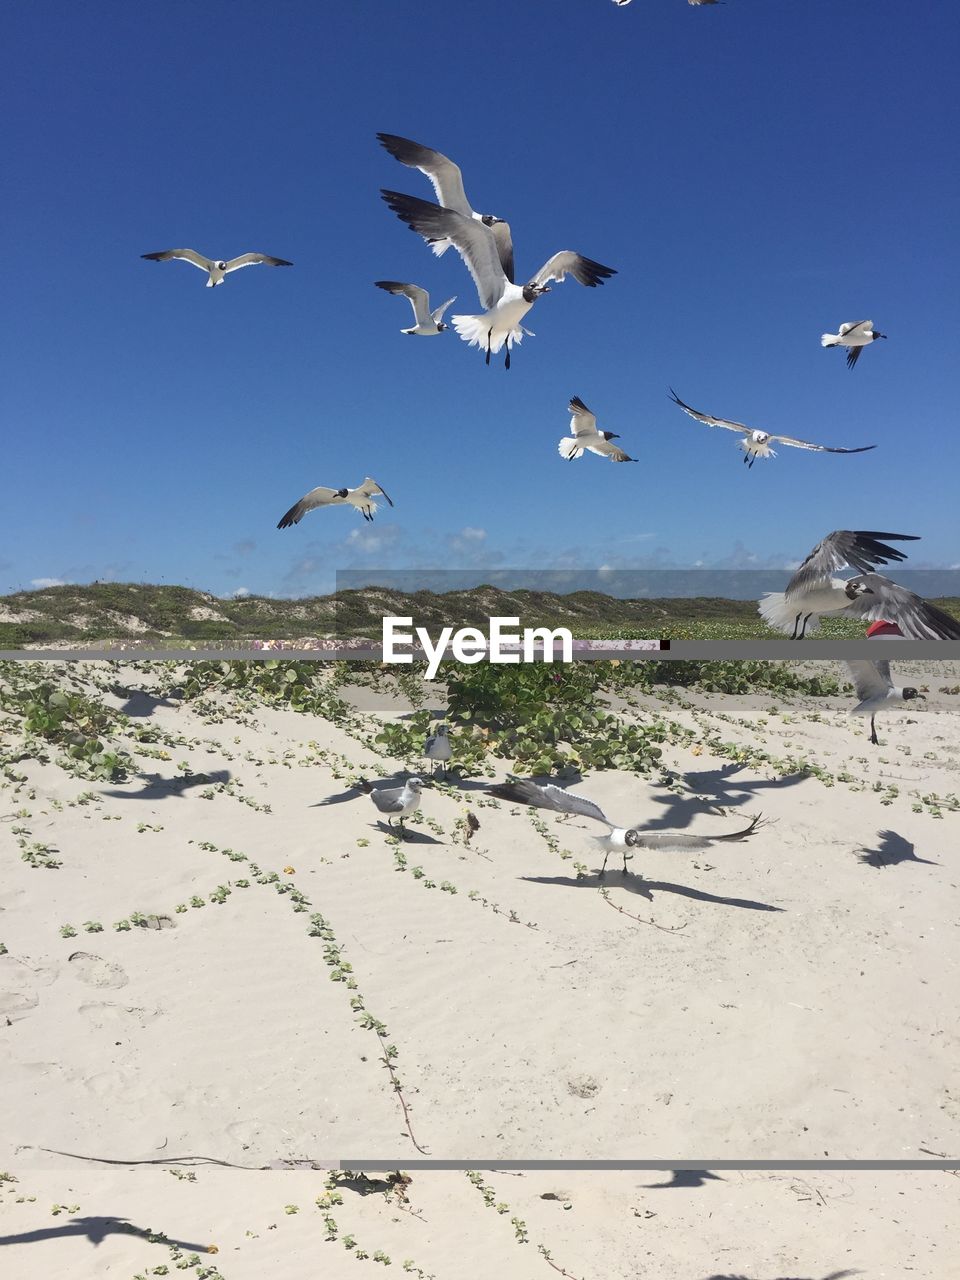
(133, 613)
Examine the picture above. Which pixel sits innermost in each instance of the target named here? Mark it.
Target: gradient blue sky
(757, 172)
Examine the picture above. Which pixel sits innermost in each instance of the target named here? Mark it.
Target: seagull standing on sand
(428, 322)
(618, 839)
(583, 424)
(854, 337)
(875, 688)
(361, 498)
(505, 304)
(756, 444)
(216, 270)
(814, 590)
(437, 748)
(447, 181)
(398, 802)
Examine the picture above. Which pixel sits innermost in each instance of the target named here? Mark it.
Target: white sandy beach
(593, 1226)
(796, 999)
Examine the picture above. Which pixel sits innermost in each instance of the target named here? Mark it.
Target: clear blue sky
(757, 173)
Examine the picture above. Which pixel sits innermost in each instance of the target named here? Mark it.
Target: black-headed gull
(585, 435)
(447, 181)
(216, 269)
(428, 322)
(361, 498)
(618, 839)
(813, 590)
(505, 304)
(854, 337)
(756, 444)
(874, 687)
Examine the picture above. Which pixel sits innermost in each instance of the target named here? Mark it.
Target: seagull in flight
(505, 304)
(216, 270)
(428, 322)
(447, 183)
(361, 498)
(583, 425)
(618, 839)
(756, 444)
(854, 337)
(875, 688)
(814, 590)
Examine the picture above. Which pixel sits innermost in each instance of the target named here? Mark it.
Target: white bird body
(428, 322)
(875, 688)
(398, 802)
(780, 612)
(361, 499)
(586, 435)
(217, 269)
(854, 336)
(437, 747)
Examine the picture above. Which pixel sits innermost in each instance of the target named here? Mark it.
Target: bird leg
(803, 629)
(873, 731)
(489, 333)
(603, 869)
(506, 363)
(625, 870)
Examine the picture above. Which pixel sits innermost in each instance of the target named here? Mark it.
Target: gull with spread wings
(505, 304)
(428, 322)
(216, 269)
(814, 590)
(871, 597)
(447, 183)
(583, 425)
(620, 840)
(756, 444)
(361, 498)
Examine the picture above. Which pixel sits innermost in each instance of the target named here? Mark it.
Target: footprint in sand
(96, 972)
(15, 1005)
(105, 1016)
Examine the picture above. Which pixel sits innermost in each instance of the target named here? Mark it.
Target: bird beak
(612, 435)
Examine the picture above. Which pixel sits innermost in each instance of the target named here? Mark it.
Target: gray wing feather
(686, 842)
(444, 175)
(501, 234)
(870, 679)
(888, 602)
(524, 791)
(858, 548)
(252, 260)
(472, 239)
(708, 418)
(186, 255)
(584, 270)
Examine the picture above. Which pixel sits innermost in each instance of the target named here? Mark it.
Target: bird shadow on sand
(834, 1275)
(730, 791)
(892, 849)
(96, 1230)
(646, 889)
(685, 1178)
(409, 836)
(139, 704)
(160, 788)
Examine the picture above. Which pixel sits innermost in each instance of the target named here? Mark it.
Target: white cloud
(240, 593)
(40, 583)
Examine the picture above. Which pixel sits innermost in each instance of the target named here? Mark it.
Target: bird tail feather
(829, 340)
(474, 329)
(781, 614)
